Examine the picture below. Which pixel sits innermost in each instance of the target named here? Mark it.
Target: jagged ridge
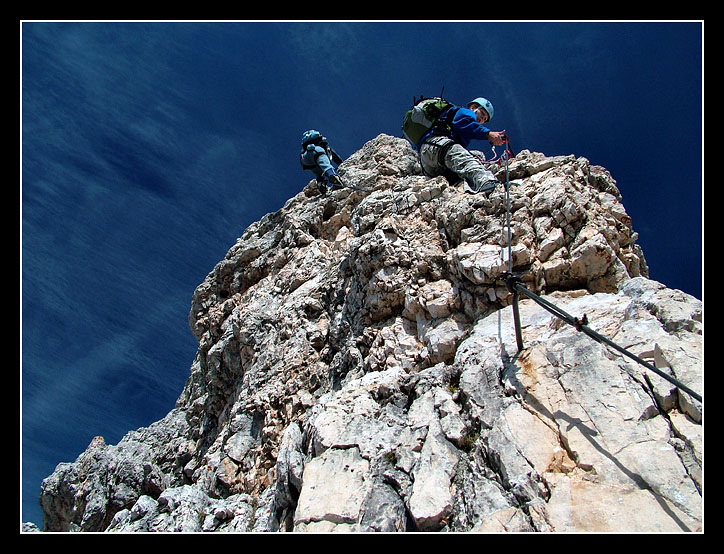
(356, 370)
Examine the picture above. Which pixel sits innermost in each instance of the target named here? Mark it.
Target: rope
(516, 313)
(498, 158)
(516, 287)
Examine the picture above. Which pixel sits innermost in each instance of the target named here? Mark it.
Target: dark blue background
(148, 148)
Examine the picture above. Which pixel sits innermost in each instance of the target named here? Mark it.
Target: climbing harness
(515, 286)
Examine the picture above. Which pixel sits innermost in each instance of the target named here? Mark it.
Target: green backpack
(423, 116)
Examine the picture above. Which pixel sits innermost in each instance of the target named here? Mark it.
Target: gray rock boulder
(357, 371)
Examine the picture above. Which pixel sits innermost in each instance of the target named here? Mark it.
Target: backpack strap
(443, 125)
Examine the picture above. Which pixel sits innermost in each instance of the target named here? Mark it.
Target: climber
(317, 156)
(444, 151)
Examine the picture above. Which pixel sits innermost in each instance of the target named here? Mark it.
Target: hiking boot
(487, 187)
(335, 182)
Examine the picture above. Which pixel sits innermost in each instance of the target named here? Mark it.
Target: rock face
(357, 370)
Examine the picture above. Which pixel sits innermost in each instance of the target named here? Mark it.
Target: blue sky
(148, 148)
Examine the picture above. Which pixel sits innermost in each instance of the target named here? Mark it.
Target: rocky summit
(358, 371)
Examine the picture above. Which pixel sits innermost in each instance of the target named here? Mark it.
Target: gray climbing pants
(440, 153)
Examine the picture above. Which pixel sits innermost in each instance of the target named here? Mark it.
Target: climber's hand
(496, 138)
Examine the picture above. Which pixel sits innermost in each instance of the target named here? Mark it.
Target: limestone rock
(357, 371)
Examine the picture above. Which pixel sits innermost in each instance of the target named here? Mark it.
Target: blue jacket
(465, 128)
